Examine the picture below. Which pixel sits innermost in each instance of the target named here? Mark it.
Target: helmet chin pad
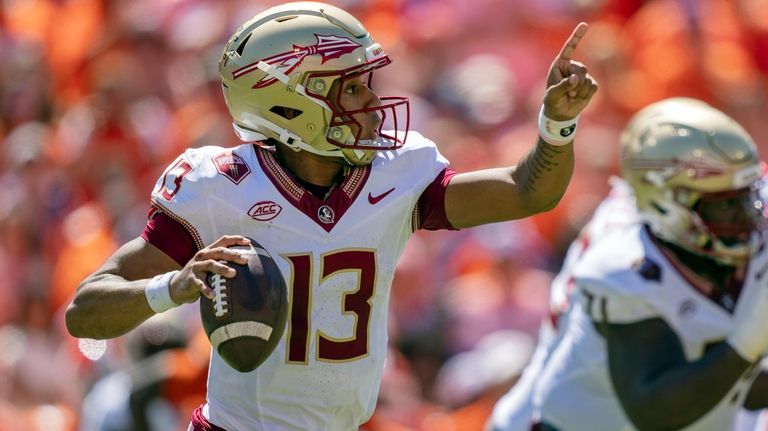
(358, 157)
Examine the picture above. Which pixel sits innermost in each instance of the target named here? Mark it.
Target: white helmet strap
(290, 140)
(247, 135)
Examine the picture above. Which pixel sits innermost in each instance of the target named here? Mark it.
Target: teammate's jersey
(625, 278)
(515, 410)
(338, 257)
(615, 212)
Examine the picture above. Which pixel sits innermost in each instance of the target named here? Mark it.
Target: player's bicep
(136, 260)
(637, 353)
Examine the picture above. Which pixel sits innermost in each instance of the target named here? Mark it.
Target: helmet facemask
(347, 128)
(718, 225)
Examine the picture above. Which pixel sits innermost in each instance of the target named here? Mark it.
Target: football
(246, 318)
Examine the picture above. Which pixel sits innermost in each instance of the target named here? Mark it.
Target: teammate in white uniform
(332, 196)
(669, 321)
(515, 410)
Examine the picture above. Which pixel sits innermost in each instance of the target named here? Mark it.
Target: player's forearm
(543, 175)
(681, 395)
(107, 306)
(757, 398)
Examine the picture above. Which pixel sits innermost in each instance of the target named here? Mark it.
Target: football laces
(220, 304)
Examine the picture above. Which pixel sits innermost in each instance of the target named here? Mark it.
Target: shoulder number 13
(356, 303)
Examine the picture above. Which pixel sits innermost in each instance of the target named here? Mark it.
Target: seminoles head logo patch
(327, 46)
(232, 166)
(326, 215)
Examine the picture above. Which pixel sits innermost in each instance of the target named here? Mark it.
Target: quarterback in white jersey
(333, 195)
(668, 322)
(339, 255)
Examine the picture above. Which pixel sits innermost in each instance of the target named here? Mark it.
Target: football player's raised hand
(569, 86)
(189, 283)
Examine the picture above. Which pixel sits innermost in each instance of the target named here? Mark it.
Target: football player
(667, 325)
(515, 410)
(332, 195)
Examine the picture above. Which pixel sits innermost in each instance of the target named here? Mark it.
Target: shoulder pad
(614, 274)
(422, 147)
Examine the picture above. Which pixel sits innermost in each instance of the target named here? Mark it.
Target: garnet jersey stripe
(169, 236)
(200, 423)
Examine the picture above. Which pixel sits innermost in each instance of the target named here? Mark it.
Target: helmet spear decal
(327, 46)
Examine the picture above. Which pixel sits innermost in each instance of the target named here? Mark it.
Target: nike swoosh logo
(373, 200)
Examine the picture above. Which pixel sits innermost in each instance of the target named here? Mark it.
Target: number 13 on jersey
(354, 302)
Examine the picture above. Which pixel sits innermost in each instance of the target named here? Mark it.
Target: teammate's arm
(539, 181)
(112, 300)
(757, 398)
(658, 388)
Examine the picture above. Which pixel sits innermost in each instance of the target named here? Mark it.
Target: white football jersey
(338, 258)
(615, 212)
(625, 278)
(515, 410)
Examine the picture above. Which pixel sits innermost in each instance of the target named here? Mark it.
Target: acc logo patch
(232, 166)
(264, 210)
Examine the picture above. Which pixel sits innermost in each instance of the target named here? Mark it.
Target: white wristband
(158, 292)
(556, 132)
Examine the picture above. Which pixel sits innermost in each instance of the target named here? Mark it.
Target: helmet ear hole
(286, 112)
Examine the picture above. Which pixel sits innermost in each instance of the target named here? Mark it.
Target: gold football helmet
(695, 175)
(281, 73)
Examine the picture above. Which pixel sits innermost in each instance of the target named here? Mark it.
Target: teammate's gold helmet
(277, 72)
(695, 175)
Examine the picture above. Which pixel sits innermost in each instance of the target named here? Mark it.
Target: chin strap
(290, 140)
(247, 135)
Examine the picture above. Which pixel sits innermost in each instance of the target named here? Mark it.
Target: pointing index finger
(573, 41)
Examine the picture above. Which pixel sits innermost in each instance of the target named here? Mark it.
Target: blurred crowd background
(98, 96)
